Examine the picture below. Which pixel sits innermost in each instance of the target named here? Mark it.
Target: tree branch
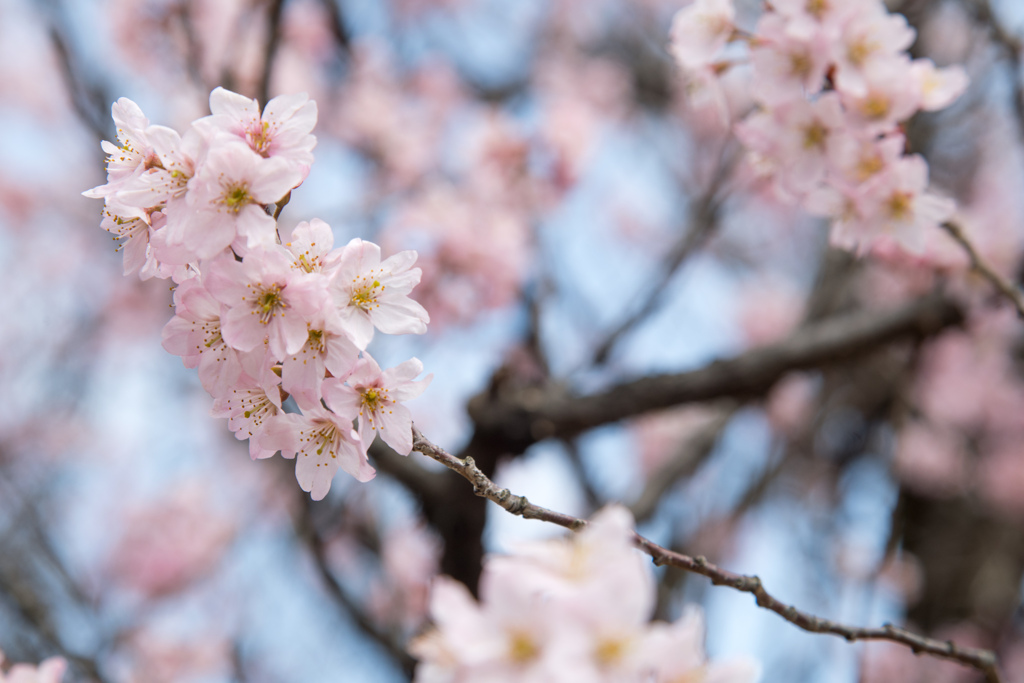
(978, 263)
(524, 417)
(982, 660)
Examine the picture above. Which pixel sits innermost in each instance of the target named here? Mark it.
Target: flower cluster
(260, 318)
(575, 610)
(832, 82)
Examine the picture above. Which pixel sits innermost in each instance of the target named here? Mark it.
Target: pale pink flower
(377, 398)
(675, 652)
(806, 19)
(133, 156)
(899, 206)
(871, 41)
(327, 348)
(167, 178)
(786, 68)
(311, 244)
(372, 294)
(48, 671)
(284, 130)
(321, 442)
(889, 94)
(131, 225)
(700, 31)
(512, 635)
(194, 333)
(268, 299)
(226, 198)
(169, 543)
(796, 139)
(250, 409)
(578, 571)
(939, 87)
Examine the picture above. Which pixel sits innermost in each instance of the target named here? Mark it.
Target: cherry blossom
(284, 130)
(49, 671)
(321, 442)
(267, 299)
(371, 293)
(377, 398)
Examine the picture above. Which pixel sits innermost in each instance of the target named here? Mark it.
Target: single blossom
(130, 158)
(49, 671)
(226, 199)
(700, 31)
(371, 293)
(283, 130)
(321, 442)
(376, 397)
(267, 298)
(251, 409)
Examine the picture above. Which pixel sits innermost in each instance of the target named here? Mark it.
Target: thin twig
(978, 263)
(983, 660)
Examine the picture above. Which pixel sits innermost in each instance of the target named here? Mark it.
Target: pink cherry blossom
(939, 87)
(370, 293)
(226, 198)
(871, 40)
(268, 299)
(49, 671)
(787, 68)
(321, 442)
(700, 31)
(377, 398)
(132, 156)
(284, 130)
(676, 653)
(194, 333)
(251, 409)
(311, 244)
(327, 347)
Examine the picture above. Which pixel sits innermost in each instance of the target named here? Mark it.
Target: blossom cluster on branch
(576, 609)
(833, 84)
(259, 317)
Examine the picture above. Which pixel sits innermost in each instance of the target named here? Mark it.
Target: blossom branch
(982, 660)
(978, 263)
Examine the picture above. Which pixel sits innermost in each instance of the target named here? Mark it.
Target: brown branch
(979, 264)
(519, 419)
(983, 660)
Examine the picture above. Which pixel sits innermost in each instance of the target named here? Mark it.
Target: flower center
(269, 303)
(235, 197)
(365, 297)
(522, 648)
(259, 138)
(900, 205)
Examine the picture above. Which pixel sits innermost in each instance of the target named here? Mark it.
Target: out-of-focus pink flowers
(572, 610)
(49, 671)
(170, 543)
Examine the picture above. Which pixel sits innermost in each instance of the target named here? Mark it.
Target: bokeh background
(583, 217)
